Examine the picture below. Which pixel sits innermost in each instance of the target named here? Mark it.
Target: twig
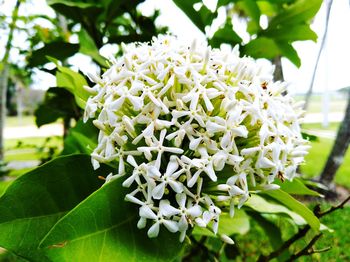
(218, 254)
(333, 208)
(306, 251)
(301, 233)
(199, 246)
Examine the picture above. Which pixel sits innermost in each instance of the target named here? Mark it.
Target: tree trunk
(341, 144)
(278, 73)
(4, 78)
(323, 42)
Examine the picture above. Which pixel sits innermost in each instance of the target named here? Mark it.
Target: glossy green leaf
(261, 47)
(296, 187)
(238, 224)
(299, 12)
(104, 229)
(267, 8)
(81, 139)
(59, 49)
(58, 103)
(225, 35)
(76, 10)
(292, 33)
(262, 205)
(88, 47)
(200, 18)
(310, 137)
(79, 4)
(251, 9)
(288, 51)
(296, 206)
(34, 202)
(74, 83)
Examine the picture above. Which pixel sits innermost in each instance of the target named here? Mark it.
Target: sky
(333, 71)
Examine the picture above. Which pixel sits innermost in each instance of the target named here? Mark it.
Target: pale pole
(325, 98)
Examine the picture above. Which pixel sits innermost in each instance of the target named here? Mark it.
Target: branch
(308, 250)
(301, 233)
(196, 250)
(333, 208)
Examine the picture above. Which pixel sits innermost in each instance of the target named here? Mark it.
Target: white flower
(157, 146)
(190, 129)
(169, 178)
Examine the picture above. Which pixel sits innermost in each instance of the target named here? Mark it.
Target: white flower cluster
(192, 130)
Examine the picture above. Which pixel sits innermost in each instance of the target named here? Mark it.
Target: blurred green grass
(319, 127)
(14, 121)
(318, 154)
(337, 103)
(29, 148)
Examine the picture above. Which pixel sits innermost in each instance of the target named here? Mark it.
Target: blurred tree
(95, 23)
(341, 144)
(19, 78)
(4, 75)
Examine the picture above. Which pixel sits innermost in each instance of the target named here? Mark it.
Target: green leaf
(88, 47)
(200, 18)
(251, 9)
(105, 230)
(76, 10)
(78, 4)
(310, 137)
(59, 49)
(296, 206)
(238, 224)
(74, 83)
(261, 47)
(225, 35)
(81, 138)
(206, 15)
(34, 202)
(300, 12)
(261, 205)
(296, 187)
(267, 8)
(85, 13)
(58, 103)
(288, 51)
(291, 33)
